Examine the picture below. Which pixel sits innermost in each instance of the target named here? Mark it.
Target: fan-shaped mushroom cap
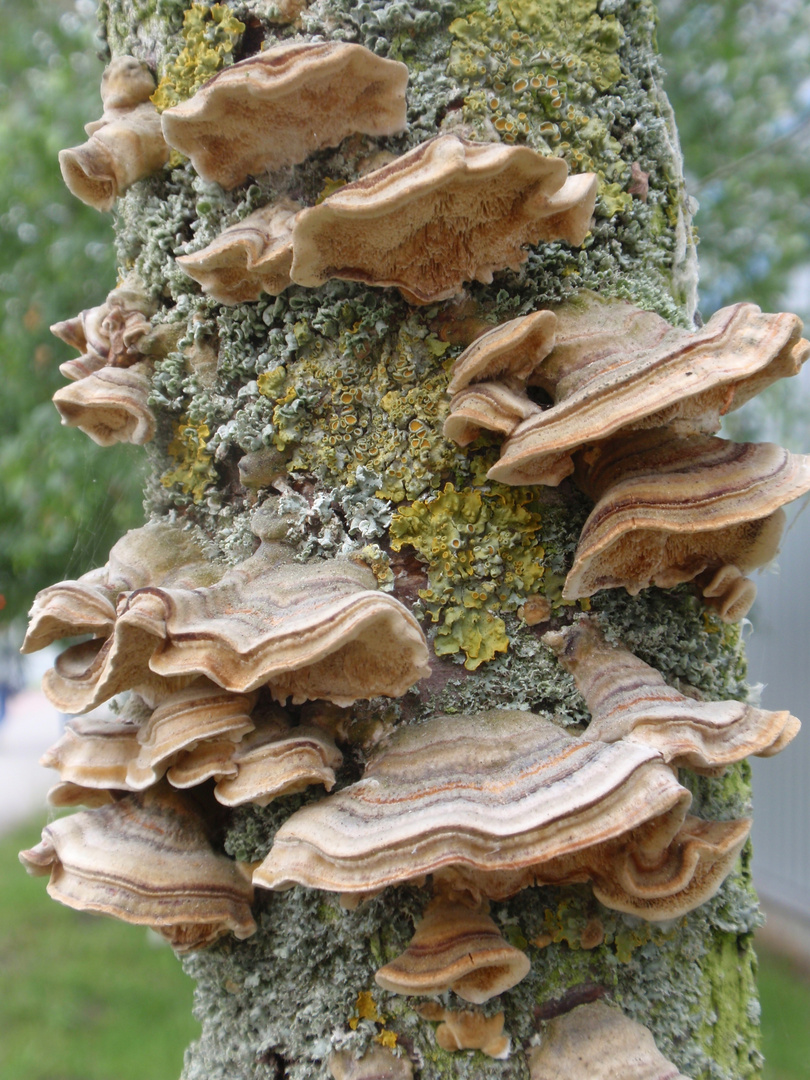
(504, 799)
(726, 590)
(107, 335)
(109, 405)
(514, 348)
(146, 859)
(318, 630)
(493, 406)
(376, 1064)
(125, 145)
(278, 107)
(315, 630)
(628, 699)
(615, 367)
(200, 713)
(274, 761)
(455, 948)
(468, 1029)
(447, 212)
(247, 259)
(70, 608)
(597, 1042)
(671, 508)
(94, 753)
(93, 671)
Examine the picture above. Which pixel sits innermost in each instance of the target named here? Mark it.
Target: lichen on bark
(343, 389)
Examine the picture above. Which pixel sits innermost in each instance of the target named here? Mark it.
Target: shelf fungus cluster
(125, 145)
(108, 396)
(194, 644)
(240, 679)
(632, 405)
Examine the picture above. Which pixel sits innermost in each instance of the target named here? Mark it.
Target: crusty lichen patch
(483, 557)
(210, 33)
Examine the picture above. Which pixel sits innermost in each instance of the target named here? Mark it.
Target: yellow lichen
(210, 32)
(340, 412)
(195, 467)
(482, 558)
(544, 96)
(377, 559)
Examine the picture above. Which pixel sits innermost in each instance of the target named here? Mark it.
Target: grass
(87, 998)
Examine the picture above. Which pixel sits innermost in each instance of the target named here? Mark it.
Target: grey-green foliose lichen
(334, 398)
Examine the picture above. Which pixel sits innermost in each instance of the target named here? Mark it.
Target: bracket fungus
(628, 699)
(457, 948)
(315, 630)
(671, 508)
(515, 348)
(276, 108)
(198, 714)
(125, 145)
(598, 1042)
(110, 405)
(447, 212)
(109, 335)
(497, 801)
(248, 258)
(467, 1029)
(279, 760)
(108, 397)
(146, 859)
(93, 755)
(616, 368)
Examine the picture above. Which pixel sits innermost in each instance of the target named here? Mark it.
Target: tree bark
(267, 379)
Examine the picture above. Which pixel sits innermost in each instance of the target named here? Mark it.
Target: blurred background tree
(738, 78)
(63, 500)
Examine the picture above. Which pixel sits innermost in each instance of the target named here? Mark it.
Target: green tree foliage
(738, 76)
(63, 500)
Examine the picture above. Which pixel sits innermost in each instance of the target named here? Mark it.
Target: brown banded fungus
(316, 630)
(447, 212)
(670, 509)
(278, 760)
(125, 145)
(248, 258)
(197, 715)
(488, 406)
(92, 755)
(146, 859)
(468, 1029)
(276, 108)
(598, 1042)
(457, 948)
(616, 368)
(497, 801)
(513, 349)
(110, 405)
(109, 335)
(628, 699)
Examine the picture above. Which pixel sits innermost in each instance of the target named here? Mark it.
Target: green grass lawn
(88, 998)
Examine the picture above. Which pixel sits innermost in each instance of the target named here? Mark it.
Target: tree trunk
(335, 397)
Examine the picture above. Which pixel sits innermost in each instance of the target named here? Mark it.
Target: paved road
(30, 726)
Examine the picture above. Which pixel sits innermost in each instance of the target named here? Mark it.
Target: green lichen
(210, 34)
